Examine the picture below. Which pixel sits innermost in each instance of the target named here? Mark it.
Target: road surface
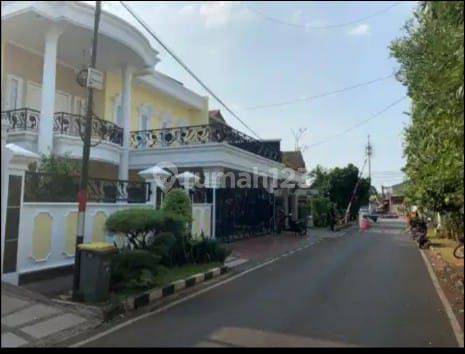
(364, 289)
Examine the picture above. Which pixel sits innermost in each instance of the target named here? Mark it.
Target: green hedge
(320, 207)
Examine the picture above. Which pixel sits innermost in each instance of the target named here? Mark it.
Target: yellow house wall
(160, 102)
(28, 66)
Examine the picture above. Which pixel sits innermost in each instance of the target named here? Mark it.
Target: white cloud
(217, 14)
(362, 29)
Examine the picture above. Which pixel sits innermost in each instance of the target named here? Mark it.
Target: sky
(249, 60)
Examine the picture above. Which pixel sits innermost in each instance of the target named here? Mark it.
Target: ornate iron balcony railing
(54, 188)
(202, 134)
(22, 119)
(28, 119)
(74, 124)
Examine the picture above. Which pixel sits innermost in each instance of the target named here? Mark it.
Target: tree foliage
(431, 57)
(338, 185)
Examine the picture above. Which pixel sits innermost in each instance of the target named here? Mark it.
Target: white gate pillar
(213, 181)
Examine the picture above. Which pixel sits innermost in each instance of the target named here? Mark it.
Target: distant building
(393, 198)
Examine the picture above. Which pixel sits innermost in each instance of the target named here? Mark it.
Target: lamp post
(158, 177)
(187, 180)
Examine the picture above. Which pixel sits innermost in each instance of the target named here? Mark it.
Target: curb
(137, 301)
(445, 302)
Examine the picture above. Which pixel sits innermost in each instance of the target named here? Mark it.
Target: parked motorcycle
(458, 251)
(299, 227)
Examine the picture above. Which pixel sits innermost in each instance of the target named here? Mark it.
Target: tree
(338, 185)
(431, 57)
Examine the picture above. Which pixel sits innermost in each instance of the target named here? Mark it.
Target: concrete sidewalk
(31, 319)
(259, 249)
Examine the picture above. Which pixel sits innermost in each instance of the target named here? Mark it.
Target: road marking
(174, 303)
(450, 314)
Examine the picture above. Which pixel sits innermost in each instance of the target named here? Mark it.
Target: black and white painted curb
(137, 301)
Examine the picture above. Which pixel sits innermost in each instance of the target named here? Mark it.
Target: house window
(14, 92)
(62, 102)
(167, 121)
(144, 122)
(80, 106)
(33, 95)
(118, 111)
(145, 115)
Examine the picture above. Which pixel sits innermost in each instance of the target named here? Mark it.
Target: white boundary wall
(58, 211)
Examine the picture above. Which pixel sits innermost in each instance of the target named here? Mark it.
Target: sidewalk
(259, 249)
(30, 319)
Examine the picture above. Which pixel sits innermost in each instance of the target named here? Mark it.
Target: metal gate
(243, 212)
(10, 254)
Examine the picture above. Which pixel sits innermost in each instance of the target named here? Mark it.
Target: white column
(47, 107)
(213, 181)
(123, 171)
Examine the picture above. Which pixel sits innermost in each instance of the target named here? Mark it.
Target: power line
(298, 25)
(180, 62)
(308, 98)
(360, 123)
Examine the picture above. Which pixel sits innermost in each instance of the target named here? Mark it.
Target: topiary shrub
(177, 202)
(162, 246)
(142, 225)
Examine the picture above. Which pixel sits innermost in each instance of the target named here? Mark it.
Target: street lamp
(159, 179)
(187, 180)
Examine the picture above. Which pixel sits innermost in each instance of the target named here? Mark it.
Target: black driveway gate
(243, 212)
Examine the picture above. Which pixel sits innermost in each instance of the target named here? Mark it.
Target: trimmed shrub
(133, 269)
(162, 246)
(177, 202)
(142, 225)
(207, 250)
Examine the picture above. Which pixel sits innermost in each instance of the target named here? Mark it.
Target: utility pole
(354, 193)
(369, 154)
(82, 194)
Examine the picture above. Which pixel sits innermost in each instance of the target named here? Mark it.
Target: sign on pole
(95, 79)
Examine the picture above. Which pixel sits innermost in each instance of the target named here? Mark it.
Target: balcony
(28, 120)
(107, 138)
(203, 134)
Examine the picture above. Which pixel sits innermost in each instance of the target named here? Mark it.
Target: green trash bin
(94, 284)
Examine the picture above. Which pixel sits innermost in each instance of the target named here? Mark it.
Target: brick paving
(260, 248)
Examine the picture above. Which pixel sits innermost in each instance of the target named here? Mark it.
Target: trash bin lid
(98, 247)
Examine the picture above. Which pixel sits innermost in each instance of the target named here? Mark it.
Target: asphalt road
(365, 289)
